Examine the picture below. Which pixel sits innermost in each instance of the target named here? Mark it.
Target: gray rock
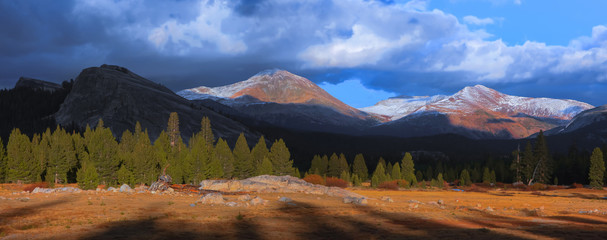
(356, 201)
(489, 209)
(274, 184)
(258, 201)
(285, 199)
(387, 199)
(441, 202)
(244, 198)
(121, 97)
(112, 189)
(414, 201)
(192, 205)
(125, 188)
(232, 204)
(212, 198)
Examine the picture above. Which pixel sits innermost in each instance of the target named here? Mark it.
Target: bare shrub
(314, 179)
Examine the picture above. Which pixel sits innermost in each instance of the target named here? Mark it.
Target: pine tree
(527, 162)
(87, 176)
(440, 181)
(173, 129)
(20, 158)
(543, 161)
(408, 169)
(2, 162)
(356, 180)
(207, 132)
(389, 171)
(162, 149)
(265, 168)
(396, 172)
(333, 170)
(61, 157)
(259, 152)
(224, 155)
(486, 176)
(102, 150)
(464, 178)
(144, 165)
(324, 165)
(419, 175)
(296, 173)
(379, 175)
(214, 167)
(315, 165)
(344, 175)
(359, 167)
(281, 158)
(343, 164)
(492, 178)
(124, 176)
(199, 155)
(243, 161)
(40, 152)
(597, 169)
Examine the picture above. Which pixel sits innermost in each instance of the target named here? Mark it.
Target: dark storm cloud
(397, 47)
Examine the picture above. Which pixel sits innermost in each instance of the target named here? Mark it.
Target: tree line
(96, 157)
(533, 165)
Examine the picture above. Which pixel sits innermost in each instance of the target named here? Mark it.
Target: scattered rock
(125, 188)
(441, 202)
(244, 198)
(258, 201)
(387, 199)
(413, 205)
(212, 198)
(112, 189)
(414, 201)
(232, 204)
(285, 199)
(192, 205)
(291, 204)
(432, 203)
(478, 205)
(489, 209)
(356, 201)
(170, 190)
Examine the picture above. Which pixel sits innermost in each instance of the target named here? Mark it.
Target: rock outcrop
(275, 184)
(121, 98)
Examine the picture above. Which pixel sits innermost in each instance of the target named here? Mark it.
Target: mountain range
(279, 104)
(287, 100)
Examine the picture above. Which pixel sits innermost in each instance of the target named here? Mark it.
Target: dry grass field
(415, 214)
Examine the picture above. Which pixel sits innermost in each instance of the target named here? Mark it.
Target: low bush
(402, 183)
(577, 185)
(538, 186)
(335, 182)
(314, 179)
(32, 186)
(392, 185)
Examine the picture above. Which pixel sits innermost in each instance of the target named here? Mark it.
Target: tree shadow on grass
(371, 224)
(21, 212)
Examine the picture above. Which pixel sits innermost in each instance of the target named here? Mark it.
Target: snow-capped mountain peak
(274, 85)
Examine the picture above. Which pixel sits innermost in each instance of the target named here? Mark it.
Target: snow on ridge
(473, 97)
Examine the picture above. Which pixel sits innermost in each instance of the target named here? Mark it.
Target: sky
(361, 51)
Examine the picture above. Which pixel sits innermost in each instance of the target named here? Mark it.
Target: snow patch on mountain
(471, 99)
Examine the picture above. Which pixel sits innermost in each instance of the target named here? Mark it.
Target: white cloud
(477, 21)
(518, 2)
(363, 47)
(206, 28)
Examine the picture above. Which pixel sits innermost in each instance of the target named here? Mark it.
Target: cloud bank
(395, 46)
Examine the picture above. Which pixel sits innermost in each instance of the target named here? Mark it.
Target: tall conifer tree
(224, 155)
(243, 161)
(333, 170)
(20, 158)
(281, 158)
(408, 169)
(597, 169)
(359, 167)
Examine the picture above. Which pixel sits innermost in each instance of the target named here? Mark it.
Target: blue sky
(361, 51)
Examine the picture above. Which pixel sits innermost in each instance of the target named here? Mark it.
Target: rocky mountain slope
(25, 82)
(283, 99)
(121, 97)
(477, 112)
